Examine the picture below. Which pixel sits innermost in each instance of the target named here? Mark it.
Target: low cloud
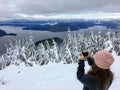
(98, 15)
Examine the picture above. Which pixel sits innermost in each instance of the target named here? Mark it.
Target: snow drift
(54, 76)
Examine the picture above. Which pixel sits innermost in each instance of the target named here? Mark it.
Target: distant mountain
(61, 25)
(3, 33)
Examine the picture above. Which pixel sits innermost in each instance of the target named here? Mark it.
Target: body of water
(37, 35)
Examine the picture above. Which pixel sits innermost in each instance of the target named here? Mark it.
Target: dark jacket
(88, 81)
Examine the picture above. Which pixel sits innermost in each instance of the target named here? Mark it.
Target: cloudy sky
(41, 9)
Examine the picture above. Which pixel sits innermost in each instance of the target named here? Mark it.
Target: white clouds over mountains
(47, 8)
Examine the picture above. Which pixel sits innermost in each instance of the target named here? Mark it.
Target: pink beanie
(103, 59)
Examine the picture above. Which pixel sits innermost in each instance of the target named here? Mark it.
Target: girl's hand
(89, 54)
(82, 57)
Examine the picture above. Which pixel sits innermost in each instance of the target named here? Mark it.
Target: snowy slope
(49, 77)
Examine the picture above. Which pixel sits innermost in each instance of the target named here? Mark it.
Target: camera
(85, 54)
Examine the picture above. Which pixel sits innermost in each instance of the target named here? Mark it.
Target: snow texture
(54, 76)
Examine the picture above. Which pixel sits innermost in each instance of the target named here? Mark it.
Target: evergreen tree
(99, 40)
(74, 49)
(91, 44)
(108, 41)
(54, 51)
(30, 52)
(48, 54)
(66, 54)
(69, 39)
(17, 52)
(2, 62)
(81, 42)
(9, 55)
(41, 54)
(116, 45)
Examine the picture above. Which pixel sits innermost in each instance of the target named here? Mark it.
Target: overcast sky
(59, 8)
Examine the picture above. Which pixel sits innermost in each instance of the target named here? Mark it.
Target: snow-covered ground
(49, 77)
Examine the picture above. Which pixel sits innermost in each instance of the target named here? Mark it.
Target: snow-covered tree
(47, 50)
(54, 51)
(41, 56)
(2, 62)
(25, 51)
(116, 45)
(66, 54)
(69, 38)
(9, 55)
(74, 49)
(108, 41)
(116, 42)
(30, 52)
(81, 42)
(99, 41)
(91, 44)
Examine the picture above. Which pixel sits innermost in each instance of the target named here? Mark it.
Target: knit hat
(103, 59)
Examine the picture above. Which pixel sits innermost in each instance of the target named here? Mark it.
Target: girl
(99, 77)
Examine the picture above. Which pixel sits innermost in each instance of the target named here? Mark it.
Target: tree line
(26, 52)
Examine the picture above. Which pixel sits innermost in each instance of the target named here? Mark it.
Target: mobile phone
(85, 54)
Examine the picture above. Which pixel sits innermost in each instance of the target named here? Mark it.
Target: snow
(109, 45)
(54, 76)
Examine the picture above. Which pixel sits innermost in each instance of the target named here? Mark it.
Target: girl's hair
(102, 76)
